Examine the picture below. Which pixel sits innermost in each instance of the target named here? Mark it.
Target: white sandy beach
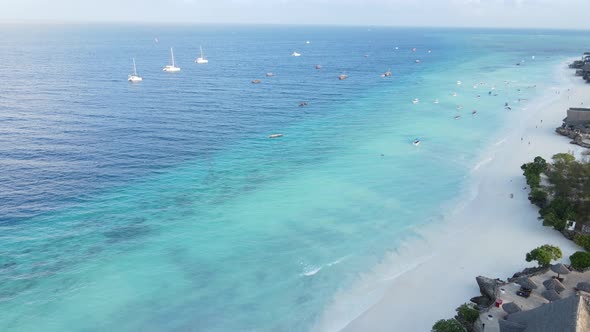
(488, 234)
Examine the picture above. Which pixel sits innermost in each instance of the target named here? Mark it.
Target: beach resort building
(569, 314)
(577, 118)
(552, 300)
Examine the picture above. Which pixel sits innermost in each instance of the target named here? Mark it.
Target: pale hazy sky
(487, 13)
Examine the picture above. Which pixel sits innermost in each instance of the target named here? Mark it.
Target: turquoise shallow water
(164, 206)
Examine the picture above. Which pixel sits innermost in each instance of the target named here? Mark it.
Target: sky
(451, 13)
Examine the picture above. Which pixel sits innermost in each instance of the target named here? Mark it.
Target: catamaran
(134, 77)
(172, 67)
(201, 59)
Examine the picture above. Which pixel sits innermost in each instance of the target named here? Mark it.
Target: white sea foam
(313, 270)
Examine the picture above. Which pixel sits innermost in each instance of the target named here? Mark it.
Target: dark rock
(528, 272)
(487, 287)
(481, 302)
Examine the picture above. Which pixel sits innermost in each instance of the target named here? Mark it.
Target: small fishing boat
(436, 101)
(416, 142)
(474, 112)
(134, 78)
(256, 81)
(201, 59)
(308, 42)
(387, 73)
(171, 68)
(457, 117)
(459, 83)
(454, 94)
(417, 61)
(318, 66)
(270, 74)
(275, 135)
(413, 49)
(295, 54)
(342, 77)
(303, 104)
(415, 101)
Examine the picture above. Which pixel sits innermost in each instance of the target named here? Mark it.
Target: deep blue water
(163, 205)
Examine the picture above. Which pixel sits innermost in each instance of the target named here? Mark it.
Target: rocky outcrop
(528, 272)
(574, 135)
(481, 302)
(488, 287)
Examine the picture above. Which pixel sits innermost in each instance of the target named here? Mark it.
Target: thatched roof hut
(560, 269)
(511, 307)
(554, 284)
(526, 282)
(551, 295)
(583, 286)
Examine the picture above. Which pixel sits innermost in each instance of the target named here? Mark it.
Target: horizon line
(170, 23)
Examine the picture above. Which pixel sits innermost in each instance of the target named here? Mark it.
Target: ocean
(164, 205)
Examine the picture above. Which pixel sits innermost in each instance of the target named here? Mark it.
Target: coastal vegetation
(447, 325)
(467, 314)
(544, 254)
(561, 190)
(580, 260)
(465, 319)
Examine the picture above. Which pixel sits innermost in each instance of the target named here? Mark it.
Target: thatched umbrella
(554, 284)
(511, 307)
(584, 286)
(526, 282)
(551, 295)
(559, 269)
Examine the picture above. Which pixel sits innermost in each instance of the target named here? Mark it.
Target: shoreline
(486, 224)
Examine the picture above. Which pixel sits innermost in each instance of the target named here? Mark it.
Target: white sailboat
(133, 78)
(201, 59)
(171, 67)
